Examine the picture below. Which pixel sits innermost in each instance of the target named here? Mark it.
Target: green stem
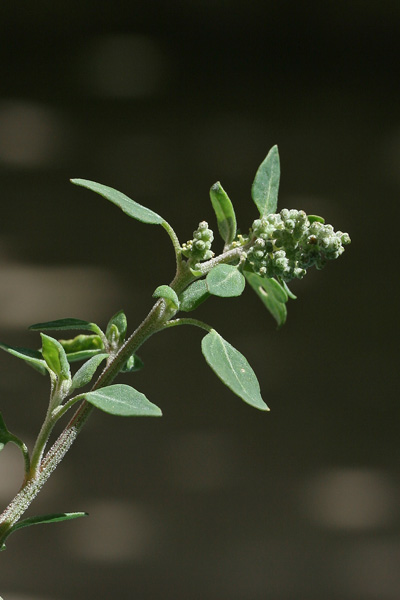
(187, 321)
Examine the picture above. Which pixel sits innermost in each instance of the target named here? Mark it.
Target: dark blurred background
(161, 99)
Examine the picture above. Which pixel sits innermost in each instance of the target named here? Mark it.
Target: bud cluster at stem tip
(199, 248)
(286, 244)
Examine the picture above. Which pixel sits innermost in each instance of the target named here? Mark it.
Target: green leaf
(82, 342)
(53, 518)
(55, 357)
(232, 368)
(82, 355)
(224, 212)
(116, 330)
(313, 218)
(168, 294)
(287, 290)
(5, 435)
(265, 186)
(271, 293)
(196, 293)
(86, 372)
(66, 324)
(134, 363)
(225, 281)
(129, 207)
(32, 357)
(123, 400)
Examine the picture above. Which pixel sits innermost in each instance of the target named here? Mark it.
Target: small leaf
(32, 357)
(224, 212)
(53, 518)
(266, 183)
(120, 322)
(123, 400)
(168, 294)
(271, 293)
(5, 435)
(225, 281)
(134, 363)
(55, 357)
(193, 295)
(84, 375)
(129, 207)
(82, 347)
(232, 368)
(287, 290)
(82, 355)
(66, 324)
(313, 218)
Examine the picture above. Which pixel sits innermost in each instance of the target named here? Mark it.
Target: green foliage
(232, 368)
(124, 401)
(194, 295)
(266, 184)
(6, 436)
(39, 520)
(116, 329)
(168, 294)
(31, 357)
(129, 207)
(66, 324)
(85, 374)
(133, 364)
(224, 212)
(55, 357)
(225, 281)
(271, 293)
(278, 248)
(82, 347)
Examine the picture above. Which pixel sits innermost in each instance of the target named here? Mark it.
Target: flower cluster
(199, 248)
(286, 244)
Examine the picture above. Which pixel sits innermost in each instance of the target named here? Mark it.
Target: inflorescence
(199, 248)
(286, 244)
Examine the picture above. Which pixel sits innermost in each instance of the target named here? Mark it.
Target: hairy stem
(157, 319)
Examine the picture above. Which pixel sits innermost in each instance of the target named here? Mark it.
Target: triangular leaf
(193, 295)
(224, 212)
(65, 324)
(129, 207)
(123, 400)
(266, 183)
(55, 356)
(168, 294)
(271, 293)
(32, 357)
(232, 368)
(225, 281)
(84, 375)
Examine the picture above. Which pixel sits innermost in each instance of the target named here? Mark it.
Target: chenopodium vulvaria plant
(279, 247)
